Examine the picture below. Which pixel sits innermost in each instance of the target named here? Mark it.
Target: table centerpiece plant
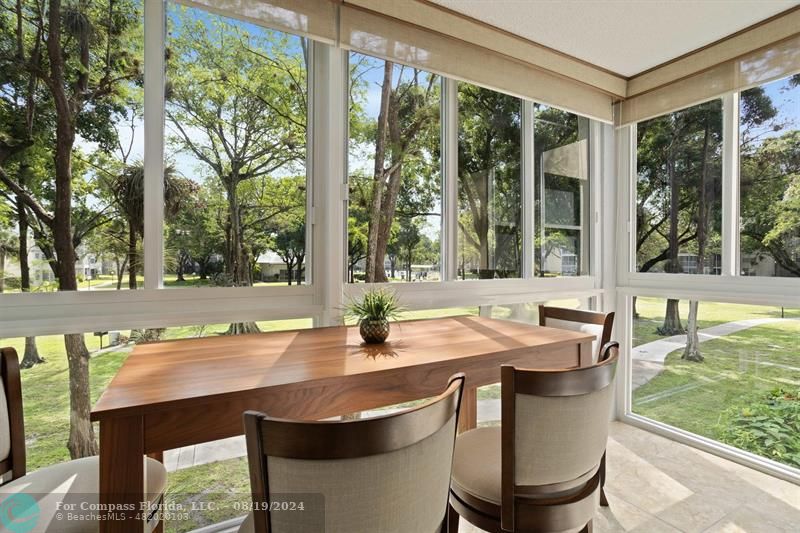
(372, 311)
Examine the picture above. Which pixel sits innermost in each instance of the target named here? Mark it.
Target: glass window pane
(394, 211)
(769, 173)
(734, 378)
(562, 209)
(93, 161)
(235, 183)
(489, 184)
(679, 188)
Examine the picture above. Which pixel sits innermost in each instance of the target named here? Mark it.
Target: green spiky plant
(374, 305)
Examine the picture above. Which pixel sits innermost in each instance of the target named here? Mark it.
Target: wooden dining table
(185, 392)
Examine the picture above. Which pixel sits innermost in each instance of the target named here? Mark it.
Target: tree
(489, 178)
(76, 59)
(400, 141)
(679, 189)
(239, 108)
(770, 179)
(128, 193)
(290, 245)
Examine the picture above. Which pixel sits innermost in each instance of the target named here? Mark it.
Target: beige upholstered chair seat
(476, 464)
(74, 482)
(479, 479)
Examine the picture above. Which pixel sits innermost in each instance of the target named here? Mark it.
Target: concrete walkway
(648, 359)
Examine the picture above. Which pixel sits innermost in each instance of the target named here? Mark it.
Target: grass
(738, 372)
(651, 315)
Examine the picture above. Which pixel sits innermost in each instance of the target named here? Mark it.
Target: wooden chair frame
(538, 507)
(9, 374)
(578, 315)
(340, 439)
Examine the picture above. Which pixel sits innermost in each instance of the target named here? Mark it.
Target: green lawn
(651, 315)
(732, 383)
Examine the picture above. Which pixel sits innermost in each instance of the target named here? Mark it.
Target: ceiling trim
(434, 18)
(719, 41)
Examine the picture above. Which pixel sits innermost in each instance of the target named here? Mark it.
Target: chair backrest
(12, 427)
(592, 322)
(554, 432)
(389, 473)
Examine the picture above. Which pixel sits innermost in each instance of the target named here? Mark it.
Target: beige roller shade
(772, 62)
(308, 18)
(392, 39)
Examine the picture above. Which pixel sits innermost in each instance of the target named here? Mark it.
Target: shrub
(770, 428)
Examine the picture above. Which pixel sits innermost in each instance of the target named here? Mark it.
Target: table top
(172, 371)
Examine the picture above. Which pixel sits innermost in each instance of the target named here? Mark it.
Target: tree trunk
(672, 320)
(289, 273)
(375, 271)
(179, 269)
(31, 356)
(2, 268)
(635, 312)
(237, 264)
(81, 441)
(131, 257)
(241, 328)
(692, 351)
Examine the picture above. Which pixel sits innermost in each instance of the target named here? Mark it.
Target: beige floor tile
(694, 514)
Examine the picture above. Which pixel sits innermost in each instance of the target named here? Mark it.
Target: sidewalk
(648, 359)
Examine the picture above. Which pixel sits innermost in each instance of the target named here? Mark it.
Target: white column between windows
(528, 189)
(449, 142)
(730, 185)
(154, 78)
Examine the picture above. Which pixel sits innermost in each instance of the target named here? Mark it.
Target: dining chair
(541, 469)
(388, 473)
(72, 486)
(592, 322)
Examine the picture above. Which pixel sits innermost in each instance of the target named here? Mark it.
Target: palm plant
(128, 190)
(372, 312)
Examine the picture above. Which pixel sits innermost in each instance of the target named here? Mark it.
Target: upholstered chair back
(590, 322)
(388, 473)
(554, 430)
(12, 430)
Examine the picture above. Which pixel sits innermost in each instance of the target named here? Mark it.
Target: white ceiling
(624, 36)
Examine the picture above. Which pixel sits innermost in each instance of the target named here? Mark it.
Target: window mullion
(449, 140)
(730, 185)
(528, 189)
(154, 82)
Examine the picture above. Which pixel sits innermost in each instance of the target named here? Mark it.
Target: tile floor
(658, 485)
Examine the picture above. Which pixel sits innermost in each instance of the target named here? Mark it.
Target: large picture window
(769, 173)
(394, 177)
(235, 179)
(679, 189)
(489, 184)
(562, 208)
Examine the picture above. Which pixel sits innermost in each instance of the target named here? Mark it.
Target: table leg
(122, 473)
(468, 415)
(585, 355)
